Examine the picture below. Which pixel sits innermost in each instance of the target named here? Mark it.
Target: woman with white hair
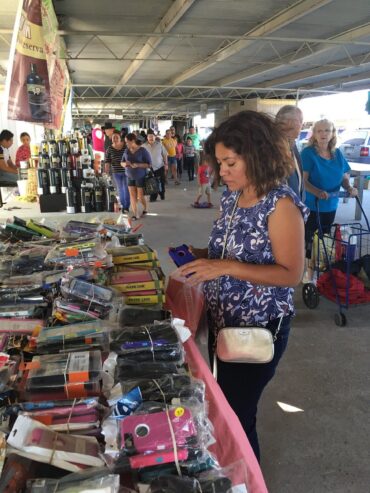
(325, 170)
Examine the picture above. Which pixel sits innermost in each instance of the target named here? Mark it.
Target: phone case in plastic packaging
(33, 439)
(152, 342)
(86, 252)
(78, 229)
(124, 238)
(134, 315)
(73, 311)
(74, 375)
(59, 408)
(21, 265)
(80, 415)
(197, 462)
(174, 484)
(166, 387)
(23, 311)
(157, 435)
(129, 368)
(155, 428)
(73, 337)
(82, 290)
(110, 483)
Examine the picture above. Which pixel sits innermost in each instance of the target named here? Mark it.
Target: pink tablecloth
(231, 444)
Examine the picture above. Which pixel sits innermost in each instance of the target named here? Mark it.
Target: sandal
(145, 212)
(133, 218)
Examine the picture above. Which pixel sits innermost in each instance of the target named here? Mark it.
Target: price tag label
(179, 411)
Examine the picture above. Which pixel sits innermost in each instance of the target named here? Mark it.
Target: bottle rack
(66, 179)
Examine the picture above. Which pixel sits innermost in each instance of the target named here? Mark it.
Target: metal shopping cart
(341, 265)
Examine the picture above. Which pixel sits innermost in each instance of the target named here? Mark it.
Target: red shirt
(98, 138)
(23, 154)
(203, 174)
(179, 150)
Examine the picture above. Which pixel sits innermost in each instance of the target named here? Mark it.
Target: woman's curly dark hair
(257, 139)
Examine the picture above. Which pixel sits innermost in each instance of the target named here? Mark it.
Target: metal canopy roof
(158, 57)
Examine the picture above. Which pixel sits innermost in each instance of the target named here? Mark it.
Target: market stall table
(232, 445)
(359, 171)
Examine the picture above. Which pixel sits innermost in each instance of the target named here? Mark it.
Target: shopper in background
(325, 170)
(189, 158)
(263, 258)
(290, 119)
(24, 150)
(179, 155)
(194, 138)
(170, 145)
(193, 135)
(136, 160)
(113, 158)
(108, 131)
(173, 132)
(124, 132)
(8, 170)
(158, 154)
(204, 182)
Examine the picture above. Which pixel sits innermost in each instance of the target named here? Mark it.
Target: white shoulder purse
(242, 344)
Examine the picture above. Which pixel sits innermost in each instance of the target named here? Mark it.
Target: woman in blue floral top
(264, 254)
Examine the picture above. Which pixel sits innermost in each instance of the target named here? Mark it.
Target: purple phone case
(181, 255)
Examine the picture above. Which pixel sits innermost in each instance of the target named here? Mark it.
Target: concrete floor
(324, 372)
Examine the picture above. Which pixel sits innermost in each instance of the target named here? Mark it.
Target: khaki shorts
(204, 189)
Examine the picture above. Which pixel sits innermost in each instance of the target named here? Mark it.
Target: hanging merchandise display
(98, 390)
(39, 74)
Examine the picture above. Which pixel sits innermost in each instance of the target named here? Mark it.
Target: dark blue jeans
(120, 181)
(243, 383)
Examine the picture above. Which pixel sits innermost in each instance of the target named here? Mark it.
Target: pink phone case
(151, 432)
(157, 458)
(47, 439)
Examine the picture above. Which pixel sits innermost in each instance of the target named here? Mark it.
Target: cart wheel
(310, 295)
(340, 319)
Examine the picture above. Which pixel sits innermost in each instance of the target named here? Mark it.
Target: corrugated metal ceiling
(161, 56)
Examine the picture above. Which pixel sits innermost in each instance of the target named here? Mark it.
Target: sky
(345, 109)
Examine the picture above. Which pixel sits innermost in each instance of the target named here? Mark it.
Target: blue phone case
(181, 255)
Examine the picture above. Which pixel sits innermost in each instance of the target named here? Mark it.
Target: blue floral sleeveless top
(240, 303)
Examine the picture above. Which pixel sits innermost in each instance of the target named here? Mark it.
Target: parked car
(355, 145)
(303, 138)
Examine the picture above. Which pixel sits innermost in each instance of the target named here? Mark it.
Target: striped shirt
(114, 157)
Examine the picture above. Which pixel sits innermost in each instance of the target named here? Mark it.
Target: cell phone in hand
(181, 255)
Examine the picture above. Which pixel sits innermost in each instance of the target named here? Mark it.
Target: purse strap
(222, 257)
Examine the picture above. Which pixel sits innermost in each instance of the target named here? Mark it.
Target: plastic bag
(166, 387)
(110, 483)
(73, 337)
(72, 311)
(133, 315)
(39, 442)
(152, 342)
(83, 253)
(82, 290)
(185, 301)
(72, 375)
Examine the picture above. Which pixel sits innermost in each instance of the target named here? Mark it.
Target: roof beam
(342, 80)
(304, 55)
(180, 36)
(172, 16)
(276, 22)
(358, 60)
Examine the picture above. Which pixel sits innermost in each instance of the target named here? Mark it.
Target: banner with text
(39, 77)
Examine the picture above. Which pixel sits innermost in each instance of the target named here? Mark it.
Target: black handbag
(150, 183)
